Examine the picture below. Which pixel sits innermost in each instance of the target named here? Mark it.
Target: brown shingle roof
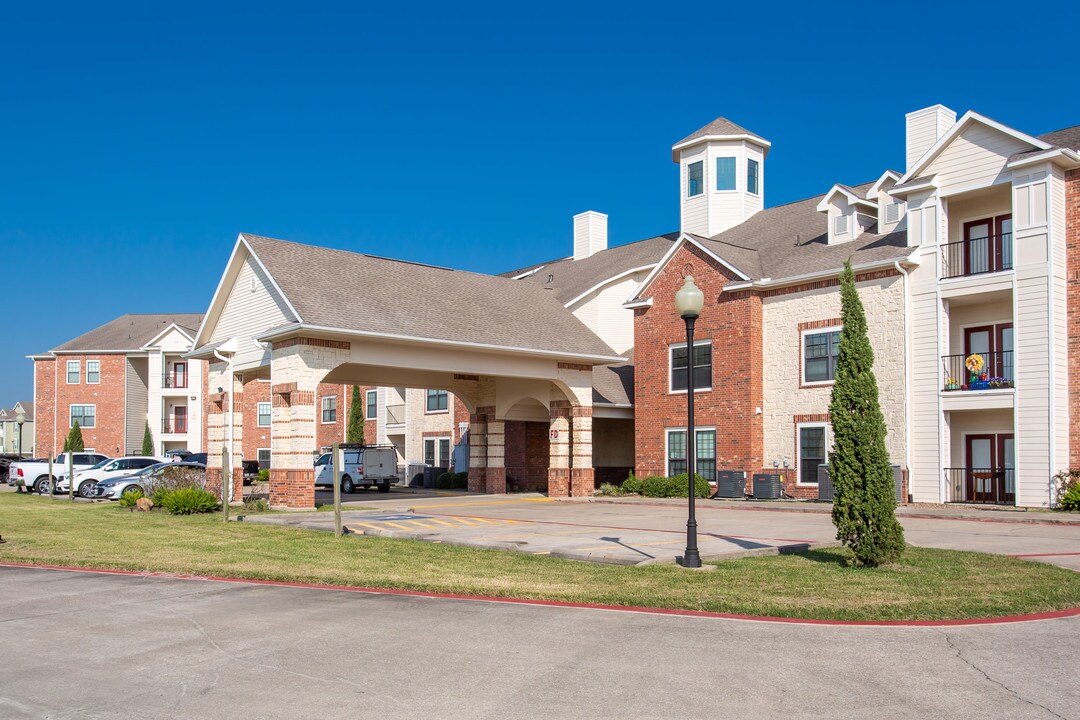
(719, 126)
(364, 293)
(129, 332)
(614, 384)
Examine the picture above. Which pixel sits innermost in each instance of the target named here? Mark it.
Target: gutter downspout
(907, 369)
(232, 425)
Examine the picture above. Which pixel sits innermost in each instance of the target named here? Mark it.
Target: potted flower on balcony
(975, 365)
(951, 383)
(998, 383)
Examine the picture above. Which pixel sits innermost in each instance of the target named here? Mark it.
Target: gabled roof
(128, 333)
(337, 290)
(719, 129)
(854, 196)
(1066, 138)
(186, 332)
(875, 190)
(9, 414)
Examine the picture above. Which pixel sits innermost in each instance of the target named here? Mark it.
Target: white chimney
(590, 234)
(924, 128)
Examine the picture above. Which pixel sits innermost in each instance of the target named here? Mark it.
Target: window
(893, 211)
(840, 225)
(372, 404)
(264, 458)
(437, 451)
(265, 412)
(93, 372)
(812, 444)
(329, 409)
(694, 178)
(73, 372)
(752, 176)
(704, 453)
(820, 349)
(702, 366)
(725, 173)
(85, 415)
(437, 400)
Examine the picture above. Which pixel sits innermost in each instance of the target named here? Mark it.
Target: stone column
(559, 449)
(496, 455)
(582, 473)
(217, 431)
(478, 457)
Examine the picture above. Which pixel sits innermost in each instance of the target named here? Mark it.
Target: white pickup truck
(35, 475)
(360, 466)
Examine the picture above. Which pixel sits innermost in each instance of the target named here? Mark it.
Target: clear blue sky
(138, 139)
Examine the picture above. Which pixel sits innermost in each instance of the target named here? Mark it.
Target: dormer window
(840, 225)
(725, 173)
(695, 181)
(752, 176)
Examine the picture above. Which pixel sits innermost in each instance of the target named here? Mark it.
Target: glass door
(977, 246)
(980, 468)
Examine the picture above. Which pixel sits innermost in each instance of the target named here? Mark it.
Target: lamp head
(689, 299)
(20, 417)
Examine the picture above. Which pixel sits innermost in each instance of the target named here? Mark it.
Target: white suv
(86, 480)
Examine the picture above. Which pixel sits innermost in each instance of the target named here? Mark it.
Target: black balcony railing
(992, 486)
(977, 256)
(996, 371)
(174, 381)
(174, 425)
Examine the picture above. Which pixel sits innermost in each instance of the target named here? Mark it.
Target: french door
(988, 245)
(990, 473)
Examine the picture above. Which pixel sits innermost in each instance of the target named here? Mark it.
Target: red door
(180, 419)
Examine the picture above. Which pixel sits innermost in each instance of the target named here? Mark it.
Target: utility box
(730, 484)
(898, 481)
(766, 487)
(414, 474)
(824, 483)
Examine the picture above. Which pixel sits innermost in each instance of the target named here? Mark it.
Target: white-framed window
(677, 366)
(85, 415)
(437, 401)
(437, 451)
(372, 399)
(704, 452)
(820, 349)
(725, 173)
(695, 178)
(93, 372)
(840, 225)
(329, 409)
(811, 449)
(265, 414)
(264, 458)
(752, 177)
(72, 372)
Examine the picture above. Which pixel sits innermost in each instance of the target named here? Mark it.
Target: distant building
(10, 440)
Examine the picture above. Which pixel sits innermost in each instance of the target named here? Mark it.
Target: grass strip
(926, 584)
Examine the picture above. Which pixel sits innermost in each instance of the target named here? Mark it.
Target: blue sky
(138, 139)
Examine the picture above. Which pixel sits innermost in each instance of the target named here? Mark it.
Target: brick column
(582, 473)
(496, 455)
(478, 457)
(217, 430)
(559, 449)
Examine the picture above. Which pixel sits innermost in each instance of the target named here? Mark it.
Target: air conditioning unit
(766, 487)
(730, 484)
(824, 483)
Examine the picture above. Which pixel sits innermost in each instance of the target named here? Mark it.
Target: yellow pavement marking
(485, 520)
(367, 525)
(542, 552)
(423, 525)
(399, 527)
(463, 521)
(484, 502)
(443, 522)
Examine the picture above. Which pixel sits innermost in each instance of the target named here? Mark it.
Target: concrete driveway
(635, 532)
(80, 645)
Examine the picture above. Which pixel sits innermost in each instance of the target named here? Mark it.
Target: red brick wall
(1072, 267)
(527, 454)
(327, 434)
(44, 407)
(461, 415)
(107, 436)
(253, 437)
(733, 322)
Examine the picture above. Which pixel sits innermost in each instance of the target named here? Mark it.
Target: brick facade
(732, 321)
(54, 398)
(256, 390)
(326, 434)
(527, 448)
(1072, 278)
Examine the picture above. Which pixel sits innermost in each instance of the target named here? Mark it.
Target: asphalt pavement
(79, 645)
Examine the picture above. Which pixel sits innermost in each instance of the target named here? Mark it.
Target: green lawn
(925, 585)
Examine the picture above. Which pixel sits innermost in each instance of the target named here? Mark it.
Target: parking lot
(632, 532)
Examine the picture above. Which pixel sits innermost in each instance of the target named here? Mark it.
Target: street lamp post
(688, 302)
(20, 418)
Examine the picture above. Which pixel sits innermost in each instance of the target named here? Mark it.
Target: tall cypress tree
(74, 442)
(864, 503)
(147, 441)
(355, 432)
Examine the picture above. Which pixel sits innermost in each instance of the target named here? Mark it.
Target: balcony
(395, 415)
(987, 486)
(174, 425)
(977, 256)
(996, 372)
(170, 382)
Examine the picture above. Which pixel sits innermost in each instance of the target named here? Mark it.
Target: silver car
(143, 480)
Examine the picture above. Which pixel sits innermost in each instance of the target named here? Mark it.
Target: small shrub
(256, 505)
(129, 498)
(657, 486)
(264, 475)
(680, 486)
(190, 501)
(1068, 490)
(609, 490)
(445, 481)
(633, 484)
(460, 481)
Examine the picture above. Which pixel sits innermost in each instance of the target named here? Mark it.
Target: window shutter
(840, 225)
(892, 212)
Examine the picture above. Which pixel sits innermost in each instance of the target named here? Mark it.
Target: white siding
(926, 350)
(602, 311)
(976, 156)
(248, 312)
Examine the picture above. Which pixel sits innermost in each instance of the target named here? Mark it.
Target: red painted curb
(1071, 612)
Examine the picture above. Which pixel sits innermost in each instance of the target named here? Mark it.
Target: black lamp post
(688, 302)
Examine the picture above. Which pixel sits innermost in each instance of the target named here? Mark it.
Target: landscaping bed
(924, 585)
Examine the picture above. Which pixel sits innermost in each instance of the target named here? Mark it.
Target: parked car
(251, 471)
(369, 466)
(199, 458)
(143, 480)
(34, 474)
(85, 480)
(177, 454)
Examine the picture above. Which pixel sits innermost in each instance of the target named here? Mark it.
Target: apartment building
(116, 379)
(14, 439)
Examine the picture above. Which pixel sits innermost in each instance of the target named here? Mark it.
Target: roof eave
(682, 145)
(1066, 158)
(767, 283)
